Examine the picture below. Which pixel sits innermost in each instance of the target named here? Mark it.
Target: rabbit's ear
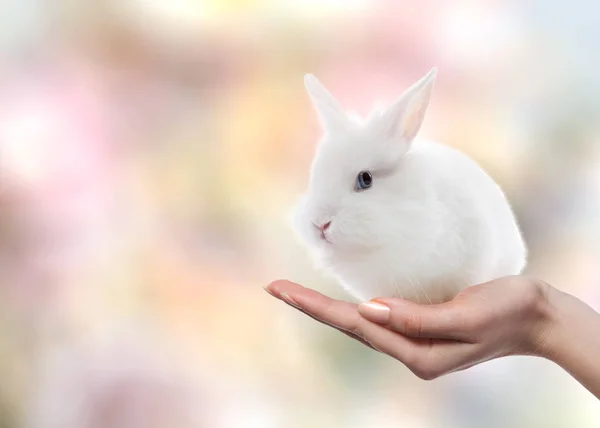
(330, 111)
(403, 119)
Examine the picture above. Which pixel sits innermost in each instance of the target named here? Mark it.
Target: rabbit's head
(351, 204)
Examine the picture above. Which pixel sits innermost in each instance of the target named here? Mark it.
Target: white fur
(432, 223)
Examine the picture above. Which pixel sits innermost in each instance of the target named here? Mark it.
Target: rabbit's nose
(324, 226)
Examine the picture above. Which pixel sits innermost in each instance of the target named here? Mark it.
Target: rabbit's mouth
(325, 237)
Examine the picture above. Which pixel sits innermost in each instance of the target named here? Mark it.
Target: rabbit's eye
(364, 179)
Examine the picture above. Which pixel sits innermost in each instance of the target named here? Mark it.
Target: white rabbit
(389, 216)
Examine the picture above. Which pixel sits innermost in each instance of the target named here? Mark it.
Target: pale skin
(515, 315)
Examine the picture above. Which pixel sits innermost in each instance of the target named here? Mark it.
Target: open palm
(486, 321)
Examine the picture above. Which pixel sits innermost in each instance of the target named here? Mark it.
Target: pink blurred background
(150, 152)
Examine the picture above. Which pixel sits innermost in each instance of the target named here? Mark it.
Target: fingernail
(268, 290)
(289, 300)
(375, 312)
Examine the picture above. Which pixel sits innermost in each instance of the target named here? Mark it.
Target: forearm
(572, 338)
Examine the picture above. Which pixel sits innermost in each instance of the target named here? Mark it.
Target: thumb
(443, 321)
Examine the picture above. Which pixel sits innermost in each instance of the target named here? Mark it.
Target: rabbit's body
(456, 229)
(430, 222)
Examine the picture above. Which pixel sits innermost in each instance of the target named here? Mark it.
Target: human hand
(507, 316)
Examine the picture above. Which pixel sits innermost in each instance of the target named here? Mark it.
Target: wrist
(567, 332)
(547, 319)
(556, 312)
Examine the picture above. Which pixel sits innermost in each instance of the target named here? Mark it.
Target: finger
(338, 313)
(345, 316)
(347, 333)
(426, 358)
(444, 321)
(283, 289)
(284, 286)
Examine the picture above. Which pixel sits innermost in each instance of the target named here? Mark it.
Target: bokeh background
(151, 150)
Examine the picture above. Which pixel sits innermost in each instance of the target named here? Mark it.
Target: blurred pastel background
(150, 152)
